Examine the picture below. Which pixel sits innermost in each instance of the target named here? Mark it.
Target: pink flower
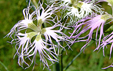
(92, 24)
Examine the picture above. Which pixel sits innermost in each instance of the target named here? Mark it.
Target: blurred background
(11, 13)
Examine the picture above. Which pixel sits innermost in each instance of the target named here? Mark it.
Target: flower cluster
(44, 27)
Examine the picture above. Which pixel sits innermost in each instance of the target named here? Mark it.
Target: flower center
(38, 37)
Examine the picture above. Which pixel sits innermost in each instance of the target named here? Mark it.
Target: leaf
(109, 29)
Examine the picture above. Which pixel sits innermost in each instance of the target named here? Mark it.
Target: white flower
(83, 9)
(45, 40)
(87, 8)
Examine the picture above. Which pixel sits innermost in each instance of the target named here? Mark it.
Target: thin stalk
(62, 60)
(57, 67)
(54, 67)
(4, 66)
(77, 56)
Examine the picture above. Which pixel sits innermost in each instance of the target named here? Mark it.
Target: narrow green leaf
(109, 29)
(4, 66)
(77, 56)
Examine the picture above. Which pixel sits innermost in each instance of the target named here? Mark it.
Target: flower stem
(4, 66)
(57, 67)
(62, 60)
(77, 56)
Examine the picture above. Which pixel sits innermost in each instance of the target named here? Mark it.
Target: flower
(92, 24)
(31, 36)
(88, 7)
(27, 49)
(76, 10)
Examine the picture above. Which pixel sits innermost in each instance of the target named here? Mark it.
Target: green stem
(57, 67)
(62, 60)
(4, 66)
(77, 56)
(62, 57)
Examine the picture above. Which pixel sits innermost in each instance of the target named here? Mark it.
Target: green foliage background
(11, 13)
